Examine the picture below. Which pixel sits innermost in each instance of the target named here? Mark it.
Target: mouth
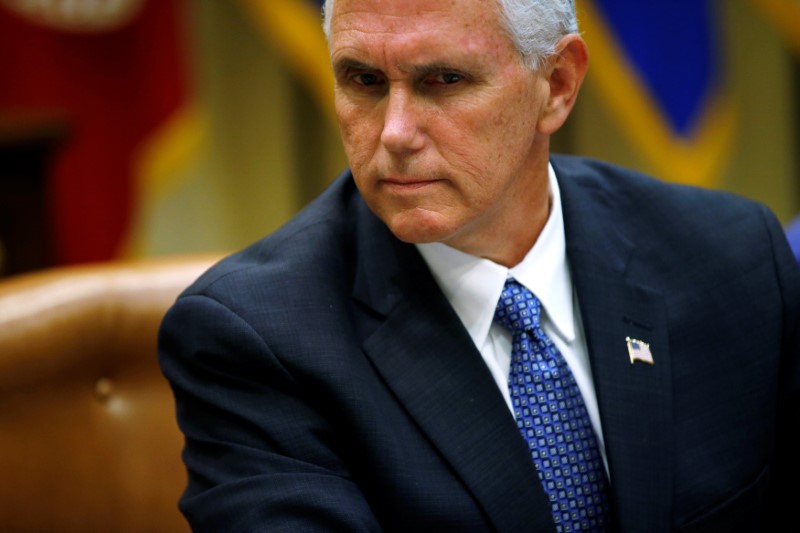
(399, 184)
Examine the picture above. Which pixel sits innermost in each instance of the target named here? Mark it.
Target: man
(793, 236)
(355, 371)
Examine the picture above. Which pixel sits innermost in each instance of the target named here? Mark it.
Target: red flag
(116, 70)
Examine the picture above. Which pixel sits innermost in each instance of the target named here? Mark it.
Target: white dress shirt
(473, 286)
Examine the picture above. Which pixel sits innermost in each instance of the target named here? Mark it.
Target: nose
(401, 128)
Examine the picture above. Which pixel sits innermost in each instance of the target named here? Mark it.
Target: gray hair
(535, 26)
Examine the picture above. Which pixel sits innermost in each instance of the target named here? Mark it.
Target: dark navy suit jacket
(323, 381)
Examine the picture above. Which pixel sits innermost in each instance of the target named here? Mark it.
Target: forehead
(452, 26)
(396, 13)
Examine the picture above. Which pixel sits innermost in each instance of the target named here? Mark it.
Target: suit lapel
(635, 400)
(422, 351)
(418, 345)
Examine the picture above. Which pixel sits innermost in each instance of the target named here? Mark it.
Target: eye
(367, 79)
(444, 78)
(449, 78)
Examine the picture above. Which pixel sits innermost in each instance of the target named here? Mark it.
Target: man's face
(439, 118)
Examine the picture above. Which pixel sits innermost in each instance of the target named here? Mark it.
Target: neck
(512, 249)
(508, 242)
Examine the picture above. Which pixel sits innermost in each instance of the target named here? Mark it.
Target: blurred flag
(659, 67)
(116, 70)
(294, 27)
(785, 16)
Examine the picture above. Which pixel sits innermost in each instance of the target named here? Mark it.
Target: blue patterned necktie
(552, 417)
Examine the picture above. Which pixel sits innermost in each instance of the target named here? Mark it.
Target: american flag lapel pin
(639, 351)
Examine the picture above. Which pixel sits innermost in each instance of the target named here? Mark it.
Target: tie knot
(518, 309)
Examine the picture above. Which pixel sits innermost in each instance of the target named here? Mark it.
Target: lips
(408, 184)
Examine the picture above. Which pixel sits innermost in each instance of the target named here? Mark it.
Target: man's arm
(786, 466)
(259, 457)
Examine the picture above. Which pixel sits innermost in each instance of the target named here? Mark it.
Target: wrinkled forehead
(404, 32)
(408, 16)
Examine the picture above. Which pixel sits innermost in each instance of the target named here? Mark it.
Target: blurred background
(137, 128)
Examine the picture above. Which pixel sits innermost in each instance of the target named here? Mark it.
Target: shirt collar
(472, 284)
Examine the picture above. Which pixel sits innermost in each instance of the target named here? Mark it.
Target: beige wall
(268, 150)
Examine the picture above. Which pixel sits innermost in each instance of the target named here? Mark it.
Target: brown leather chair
(88, 439)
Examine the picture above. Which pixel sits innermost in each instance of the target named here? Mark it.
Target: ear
(564, 74)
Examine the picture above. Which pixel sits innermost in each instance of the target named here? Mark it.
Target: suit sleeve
(786, 465)
(259, 458)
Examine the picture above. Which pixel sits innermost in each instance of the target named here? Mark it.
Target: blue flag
(659, 66)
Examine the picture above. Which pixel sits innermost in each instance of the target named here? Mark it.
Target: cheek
(486, 140)
(357, 133)
(513, 130)
(347, 117)
(476, 159)
(491, 144)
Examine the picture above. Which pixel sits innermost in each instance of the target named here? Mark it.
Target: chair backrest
(88, 439)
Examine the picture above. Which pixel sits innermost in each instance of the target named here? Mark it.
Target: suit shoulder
(315, 240)
(669, 224)
(641, 195)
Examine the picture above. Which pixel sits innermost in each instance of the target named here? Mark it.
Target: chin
(420, 227)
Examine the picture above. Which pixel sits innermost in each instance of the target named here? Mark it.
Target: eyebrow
(346, 64)
(431, 68)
